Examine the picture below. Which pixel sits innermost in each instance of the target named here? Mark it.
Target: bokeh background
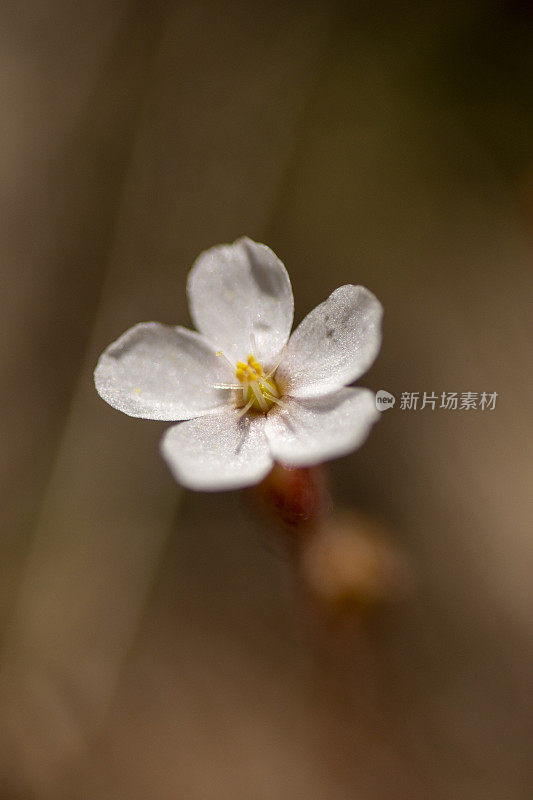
(153, 641)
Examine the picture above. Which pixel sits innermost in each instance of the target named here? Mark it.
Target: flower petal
(158, 372)
(309, 431)
(218, 451)
(238, 289)
(333, 345)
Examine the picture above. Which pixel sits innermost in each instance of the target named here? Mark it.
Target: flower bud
(298, 496)
(349, 564)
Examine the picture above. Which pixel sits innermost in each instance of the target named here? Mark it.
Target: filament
(245, 408)
(263, 405)
(220, 354)
(280, 359)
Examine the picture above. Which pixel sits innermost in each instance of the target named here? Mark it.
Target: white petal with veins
(218, 451)
(239, 294)
(159, 372)
(312, 430)
(333, 345)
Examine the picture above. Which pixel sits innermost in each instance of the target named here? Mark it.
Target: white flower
(248, 393)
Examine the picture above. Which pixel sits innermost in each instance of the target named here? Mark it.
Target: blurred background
(154, 643)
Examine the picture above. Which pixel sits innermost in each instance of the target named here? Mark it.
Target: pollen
(251, 371)
(259, 391)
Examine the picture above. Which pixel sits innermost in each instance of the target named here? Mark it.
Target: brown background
(153, 642)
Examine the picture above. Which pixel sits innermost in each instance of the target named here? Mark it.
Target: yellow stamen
(268, 385)
(261, 402)
(258, 389)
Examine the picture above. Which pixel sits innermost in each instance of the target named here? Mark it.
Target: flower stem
(298, 497)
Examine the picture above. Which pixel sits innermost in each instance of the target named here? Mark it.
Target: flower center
(255, 390)
(259, 391)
